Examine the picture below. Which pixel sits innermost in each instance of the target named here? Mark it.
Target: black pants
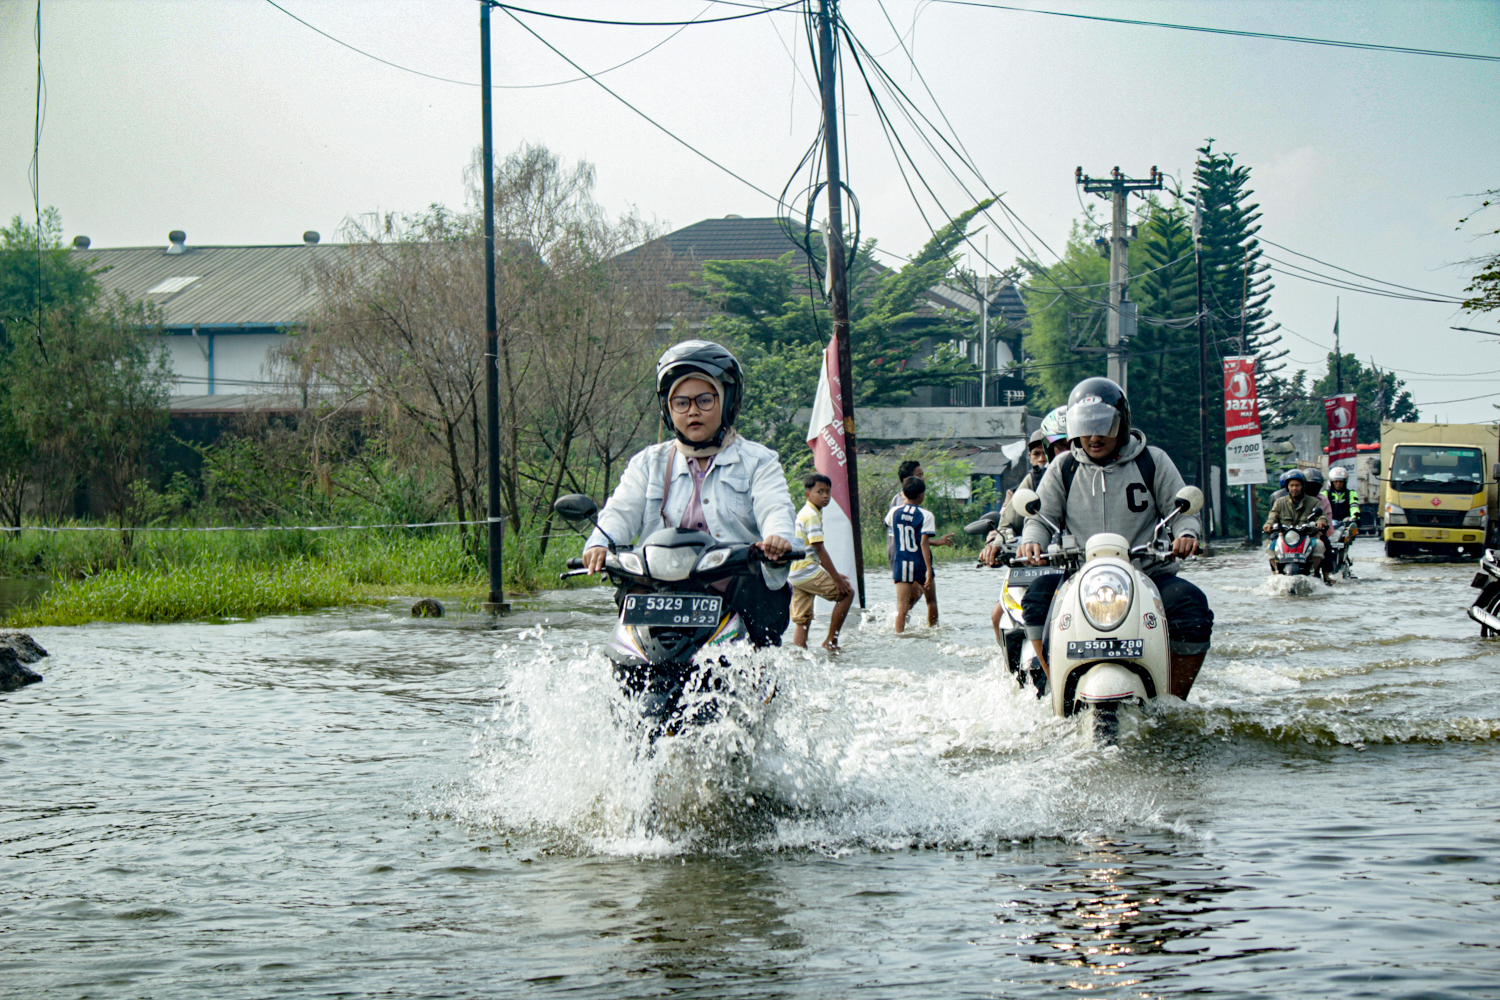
(1190, 621)
(766, 612)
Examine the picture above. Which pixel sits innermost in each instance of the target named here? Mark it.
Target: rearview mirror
(576, 507)
(1028, 501)
(983, 526)
(1189, 500)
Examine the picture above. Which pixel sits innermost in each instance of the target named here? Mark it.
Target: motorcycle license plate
(1024, 576)
(687, 610)
(1106, 649)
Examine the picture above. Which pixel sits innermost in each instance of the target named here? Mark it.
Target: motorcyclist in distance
(1105, 449)
(1315, 490)
(1343, 502)
(1297, 508)
(707, 478)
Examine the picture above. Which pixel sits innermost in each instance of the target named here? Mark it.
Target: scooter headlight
(713, 559)
(630, 562)
(1291, 538)
(670, 563)
(1105, 593)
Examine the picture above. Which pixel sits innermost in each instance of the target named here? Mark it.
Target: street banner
(1343, 427)
(825, 436)
(1244, 449)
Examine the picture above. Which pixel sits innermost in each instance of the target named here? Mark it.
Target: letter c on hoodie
(1137, 504)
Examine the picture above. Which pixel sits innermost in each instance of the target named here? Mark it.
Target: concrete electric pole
(1122, 315)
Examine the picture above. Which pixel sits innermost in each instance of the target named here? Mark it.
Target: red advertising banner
(825, 436)
(1343, 428)
(1244, 449)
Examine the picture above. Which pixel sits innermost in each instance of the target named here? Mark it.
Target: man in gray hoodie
(1111, 480)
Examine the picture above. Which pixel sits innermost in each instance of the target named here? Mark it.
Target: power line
(641, 24)
(1366, 46)
(497, 86)
(1440, 402)
(1349, 286)
(668, 132)
(1419, 291)
(368, 55)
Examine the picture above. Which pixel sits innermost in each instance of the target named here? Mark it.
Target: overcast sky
(234, 122)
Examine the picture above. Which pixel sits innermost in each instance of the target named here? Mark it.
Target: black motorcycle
(676, 592)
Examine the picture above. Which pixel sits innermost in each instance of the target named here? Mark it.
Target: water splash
(845, 757)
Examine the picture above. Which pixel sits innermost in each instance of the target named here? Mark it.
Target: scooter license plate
(685, 610)
(1024, 576)
(1106, 649)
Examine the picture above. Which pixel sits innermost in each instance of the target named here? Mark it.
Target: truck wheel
(1392, 550)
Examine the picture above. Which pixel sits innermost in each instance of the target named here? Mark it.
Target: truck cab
(1439, 491)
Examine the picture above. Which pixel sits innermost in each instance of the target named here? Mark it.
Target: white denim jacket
(745, 498)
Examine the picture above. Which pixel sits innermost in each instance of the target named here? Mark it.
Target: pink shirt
(692, 515)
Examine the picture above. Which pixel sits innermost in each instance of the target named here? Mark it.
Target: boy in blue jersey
(912, 528)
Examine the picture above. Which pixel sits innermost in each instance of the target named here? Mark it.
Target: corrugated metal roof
(729, 239)
(235, 286)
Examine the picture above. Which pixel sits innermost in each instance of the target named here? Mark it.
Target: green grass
(183, 576)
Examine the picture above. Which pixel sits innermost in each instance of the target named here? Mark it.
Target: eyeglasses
(705, 401)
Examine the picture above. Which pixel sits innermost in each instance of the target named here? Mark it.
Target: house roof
(729, 238)
(221, 287)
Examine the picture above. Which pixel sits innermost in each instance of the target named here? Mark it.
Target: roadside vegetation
(180, 576)
(380, 415)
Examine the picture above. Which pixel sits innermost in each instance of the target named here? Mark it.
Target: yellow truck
(1438, 488)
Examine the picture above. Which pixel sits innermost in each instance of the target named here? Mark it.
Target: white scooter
(1107, 625)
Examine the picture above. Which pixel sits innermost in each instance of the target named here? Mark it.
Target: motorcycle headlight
(1394, 514)
(1105, 594)
(670, 564)
(630, 562)
(1474, 518)
(712, 559)
(1291, 537)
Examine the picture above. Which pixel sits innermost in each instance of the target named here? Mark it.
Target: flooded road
(359, 804)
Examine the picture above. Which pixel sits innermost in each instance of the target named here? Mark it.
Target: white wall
(237, 358)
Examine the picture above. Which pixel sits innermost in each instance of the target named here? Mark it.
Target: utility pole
(496, 604)
(984, 331)
(838, 283)
(1121, 311)
(1338, 351)
(1204, 479)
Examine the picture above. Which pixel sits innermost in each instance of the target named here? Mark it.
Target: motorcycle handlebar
(575, 564)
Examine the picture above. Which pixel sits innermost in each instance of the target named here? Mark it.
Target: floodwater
(355, 804)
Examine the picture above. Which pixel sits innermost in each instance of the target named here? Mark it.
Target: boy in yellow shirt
(815, 576)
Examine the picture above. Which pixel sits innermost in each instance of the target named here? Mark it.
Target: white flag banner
(825, 436)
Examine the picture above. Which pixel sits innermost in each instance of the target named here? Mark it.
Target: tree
(1380, 397)
(83, 380)
(1485, 287)
(1164, 369)
(780, 332)
(1067, 306)
(400, 336)
(1236, 283)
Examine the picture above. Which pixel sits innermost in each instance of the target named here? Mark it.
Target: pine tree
(1164, 353)
(1236, 283)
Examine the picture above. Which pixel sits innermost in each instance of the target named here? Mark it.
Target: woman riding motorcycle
(707, 478)
(1111, 480)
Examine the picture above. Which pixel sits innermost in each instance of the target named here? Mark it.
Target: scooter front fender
(1109, 682)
